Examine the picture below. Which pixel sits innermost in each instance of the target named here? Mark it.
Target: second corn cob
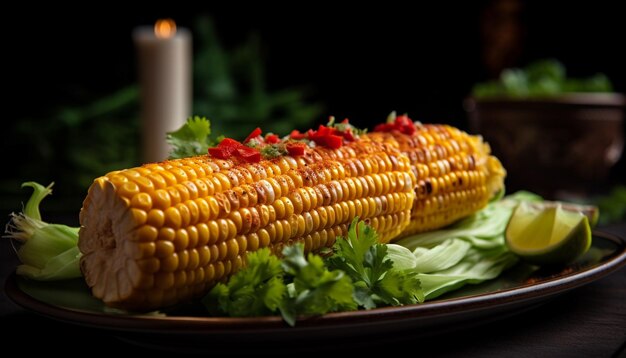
(454, 172)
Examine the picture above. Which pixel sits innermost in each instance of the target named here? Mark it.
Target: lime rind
(592, 212)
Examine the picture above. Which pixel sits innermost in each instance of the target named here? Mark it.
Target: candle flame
(165, 28)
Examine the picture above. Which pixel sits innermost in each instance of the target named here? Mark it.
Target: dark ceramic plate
(518, 289)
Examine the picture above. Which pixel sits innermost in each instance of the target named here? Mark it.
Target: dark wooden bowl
(554, 146)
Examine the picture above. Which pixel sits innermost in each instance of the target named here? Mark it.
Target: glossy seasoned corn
(163, 233)
(454, 171)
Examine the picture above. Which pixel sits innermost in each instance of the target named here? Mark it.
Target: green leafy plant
(540, 79)
(358, 274)
(294, 286)
(367, 263)
(193, 138)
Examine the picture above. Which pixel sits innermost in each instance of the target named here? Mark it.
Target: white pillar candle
(165, 69)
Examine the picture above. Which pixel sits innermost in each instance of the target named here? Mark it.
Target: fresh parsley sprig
(193, 138)
(358, 275)
(376, 282)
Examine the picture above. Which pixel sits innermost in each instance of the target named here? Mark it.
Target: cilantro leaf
(359, 274)
(294, 286)
(193, 138)
(366, 262)
(256, 290)
(273, 151)
(345, 126)
(315, 290)
(400, 287)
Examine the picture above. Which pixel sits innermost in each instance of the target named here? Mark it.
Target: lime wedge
(548, 234)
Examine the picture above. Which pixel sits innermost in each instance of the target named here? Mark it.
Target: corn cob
(455, 174)
(165, 232)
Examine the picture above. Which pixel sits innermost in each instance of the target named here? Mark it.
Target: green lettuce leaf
(471, 251)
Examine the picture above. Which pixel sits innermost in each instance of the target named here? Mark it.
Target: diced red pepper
(219, 153)
(230, 143)
(255, 133)
(333, 141)
(403, 121)
(345, 121)
(272, 139)
(405, 124)
(325, 136)
(348, 135)
(295, 134)
(408, 129)
(402, 124)
(295, 149)
(229, 147)
(323, 131)
(225, 149)
(248, 154)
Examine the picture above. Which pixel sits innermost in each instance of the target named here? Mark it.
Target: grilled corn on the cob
(165, 232)
(162, 233)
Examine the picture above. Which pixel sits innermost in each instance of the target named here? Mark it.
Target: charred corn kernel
(454, 174)
(176, 228)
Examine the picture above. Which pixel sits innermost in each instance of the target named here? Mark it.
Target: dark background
(362, 62)
(359, 62)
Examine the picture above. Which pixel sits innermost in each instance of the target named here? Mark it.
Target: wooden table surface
(587, 322)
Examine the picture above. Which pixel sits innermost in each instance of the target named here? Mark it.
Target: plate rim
(430, 310)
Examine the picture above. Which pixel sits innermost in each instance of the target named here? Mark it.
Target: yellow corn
(165, 232)
(455, 174)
